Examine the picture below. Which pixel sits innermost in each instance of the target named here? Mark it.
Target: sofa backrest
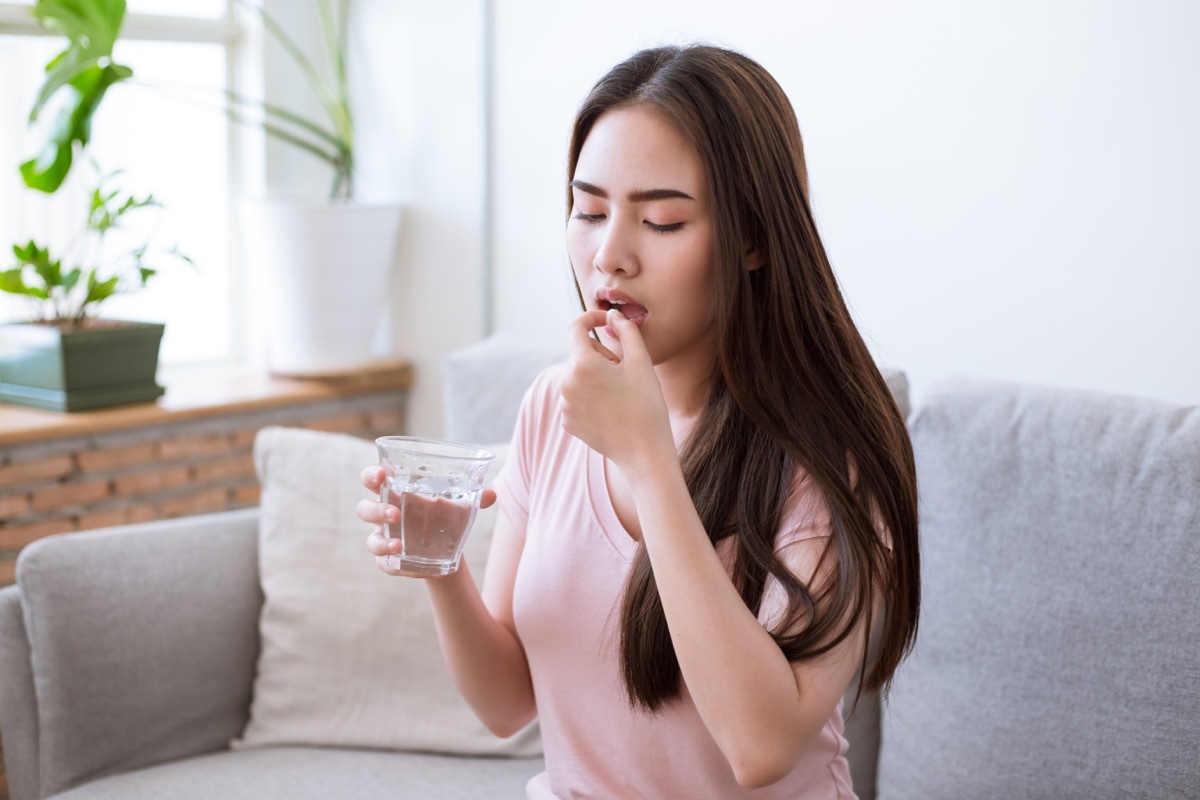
(1059, 646)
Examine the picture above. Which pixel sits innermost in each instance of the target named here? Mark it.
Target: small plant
(66, 296)
(78, 78)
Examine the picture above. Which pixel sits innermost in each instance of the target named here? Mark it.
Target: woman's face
(640, 235)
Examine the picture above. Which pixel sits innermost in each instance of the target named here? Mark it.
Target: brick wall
(157, 472)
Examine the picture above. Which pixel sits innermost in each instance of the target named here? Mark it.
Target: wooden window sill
(200, 395)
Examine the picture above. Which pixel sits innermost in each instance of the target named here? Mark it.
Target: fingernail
(614, 315)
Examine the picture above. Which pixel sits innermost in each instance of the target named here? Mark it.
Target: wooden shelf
(200, 394)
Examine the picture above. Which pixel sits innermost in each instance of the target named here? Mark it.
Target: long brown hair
(794, 384)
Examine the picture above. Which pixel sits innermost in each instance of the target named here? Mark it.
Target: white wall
(1006, 190)
(417, 75)
(420, 83)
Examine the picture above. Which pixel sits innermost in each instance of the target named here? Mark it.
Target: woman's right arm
(476, 632)
(479, 639)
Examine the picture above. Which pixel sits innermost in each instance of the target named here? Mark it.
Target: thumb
(487, 499)
(628, 335)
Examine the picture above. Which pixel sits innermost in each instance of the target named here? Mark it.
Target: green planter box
(112, 365)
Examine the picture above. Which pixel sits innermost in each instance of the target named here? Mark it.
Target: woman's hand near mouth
(613, 401)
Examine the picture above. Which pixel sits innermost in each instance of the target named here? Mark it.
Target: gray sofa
(1058, 653)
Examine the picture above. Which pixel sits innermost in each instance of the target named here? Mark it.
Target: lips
(607, 297)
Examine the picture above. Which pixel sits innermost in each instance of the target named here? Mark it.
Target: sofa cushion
(349, 655)
(1057, 655)
(308, 773)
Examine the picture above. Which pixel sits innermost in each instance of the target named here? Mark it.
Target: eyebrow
(636, 196)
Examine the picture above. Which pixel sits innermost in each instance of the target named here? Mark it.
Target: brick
(102, 518)
(36, 469)
(14, 535)
(241, 466)
(244, 439)
(141, 512)
(142, 483)
(249, 495)
(214, 499)
(117, 457)
(214, 444)
(74, 493)
(386, 422)
(350, 422)
(13, 504)
(124, 513)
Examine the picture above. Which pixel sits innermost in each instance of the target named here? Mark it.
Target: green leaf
(145, 273)
(71, 278)
(34, 256)
(50, 272)
(27, 254)
(98, 290)
(83, 72)
(13, 282)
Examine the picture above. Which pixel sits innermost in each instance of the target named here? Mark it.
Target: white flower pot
(322, 275)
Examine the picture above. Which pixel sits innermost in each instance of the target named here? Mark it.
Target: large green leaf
(83, 73)
(13, 282)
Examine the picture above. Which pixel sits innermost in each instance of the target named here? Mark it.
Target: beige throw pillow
(349, 655)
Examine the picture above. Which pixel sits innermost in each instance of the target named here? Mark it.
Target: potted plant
(65, 358)
(322, 266)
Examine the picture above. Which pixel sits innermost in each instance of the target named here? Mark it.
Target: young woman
(711, 507)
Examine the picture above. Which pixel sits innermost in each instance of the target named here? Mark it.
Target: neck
(685, 383)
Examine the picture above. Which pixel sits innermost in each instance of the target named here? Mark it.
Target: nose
(616, 253)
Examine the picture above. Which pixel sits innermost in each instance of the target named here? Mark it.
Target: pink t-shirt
(566, 605)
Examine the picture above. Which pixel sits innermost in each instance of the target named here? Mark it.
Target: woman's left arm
(762, 711)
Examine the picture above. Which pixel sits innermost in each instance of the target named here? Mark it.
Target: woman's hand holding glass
(379, 514)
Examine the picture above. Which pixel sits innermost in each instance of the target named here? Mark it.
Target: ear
(751, 260)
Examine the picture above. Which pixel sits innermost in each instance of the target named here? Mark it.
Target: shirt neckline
(606, 512)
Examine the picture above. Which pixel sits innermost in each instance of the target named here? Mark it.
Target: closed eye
(674, 226)
(579, 215)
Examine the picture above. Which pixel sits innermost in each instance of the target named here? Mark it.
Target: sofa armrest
(142, 642)
(18, 710)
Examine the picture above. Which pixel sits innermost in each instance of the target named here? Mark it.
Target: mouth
(630, 309)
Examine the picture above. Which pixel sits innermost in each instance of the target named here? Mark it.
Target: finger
(380, 545)
(376, 513)
(372, 478)
(628, 335)
(487, 498)
(581, 339)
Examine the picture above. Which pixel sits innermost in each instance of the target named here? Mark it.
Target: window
(164, 129)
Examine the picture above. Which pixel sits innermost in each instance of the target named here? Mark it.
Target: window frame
(242, 48)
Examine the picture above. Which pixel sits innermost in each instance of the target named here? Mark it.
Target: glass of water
(437, 486)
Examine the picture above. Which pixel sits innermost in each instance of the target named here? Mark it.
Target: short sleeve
(517, 475)
(807, 513)
(806, 517)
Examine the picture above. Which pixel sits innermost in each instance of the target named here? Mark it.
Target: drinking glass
(437, 486)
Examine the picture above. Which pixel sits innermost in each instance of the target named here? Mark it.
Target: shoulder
(539, 418)
(549, 380)
(542, 397)
(806, 512)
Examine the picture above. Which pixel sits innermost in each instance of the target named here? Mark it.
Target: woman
(711, 507)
